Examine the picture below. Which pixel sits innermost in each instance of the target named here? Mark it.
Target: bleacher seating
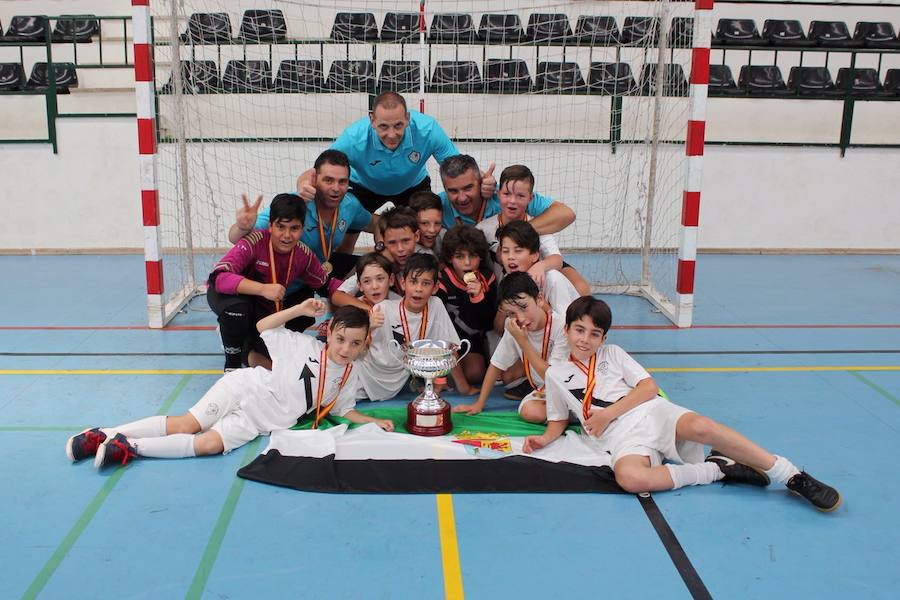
(674, 82)
(197, 77)
(762, 79)
(207, 28)
(610, 79)
(451, 76)
(876, 35)
(247, 77)
(640, 31)
(859, 82)
(501, 29)
(892, 82)
(12, 77)
(559, 78)
(262, 26)
(681, 35)
(548, 28)
(399, 76)
(351, 76)
(807, 81)
(400, 27)
(354, 27)
(506, 76)
(593, 30)
(784, 32)
(830, 33)
(76, 28)
(721, 81)
(452, 28)
(66, 77)
(300, 76)
(31, 28)
(737, 32)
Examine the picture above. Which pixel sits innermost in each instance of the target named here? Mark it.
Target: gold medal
(327, 266)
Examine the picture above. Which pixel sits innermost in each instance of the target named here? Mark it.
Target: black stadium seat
(506, 76)
(737, 32)
(351, 76)
(859, 82)
(247, 77)
(559, 78)
(262, 26)
(354, 27)
(810, 81)
(12, 77)
(831, 33)
(66, 77)
(502, 29)
(784, 32)
(300, 76)
(674, 82)
(876, 35)
(594, 30)
(451, 76)
(399, 76)
(611, 79)
(207, 28)
(197, 77)
(640, 31)
(76, 28)
(721, 81)
(31, 28)
(762, 79)
(892, 82)
(400, 27)
(681, 35)
(548, 28)
(452, 28)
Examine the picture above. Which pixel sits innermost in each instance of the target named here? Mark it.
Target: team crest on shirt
(414, 156)
(342, 224)
(604, 367)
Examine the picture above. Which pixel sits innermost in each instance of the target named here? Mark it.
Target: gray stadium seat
(501, 29)
(66, 77)
(548, 28)
(12, 77)
(399, 76)
(247, 77)
(400, 27)
(506, 76)
(831, 33)
(263, 26)
(681, 34)
(452, 28)
(595, 30)
(559, 78)
(611, 79)
(300, 76)
(197, 77)
(351, 76)
(892, 82)
(76, 28)
(31, 28)
(858, 82)
(451, 76)
(207, 28)
(876, 35)
(354, 27)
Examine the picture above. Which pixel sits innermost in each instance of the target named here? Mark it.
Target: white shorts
(649, 430)
(220, 408)
(532, 396)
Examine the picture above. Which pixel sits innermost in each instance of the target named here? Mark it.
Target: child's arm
(552, 262)
(557, 217)
(245, 219)
(490, 378)
(536, 442)
(354, 416)
(600, 418)
(340, 298)
(308, 308)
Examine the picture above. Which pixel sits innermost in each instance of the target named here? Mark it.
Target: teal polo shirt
(389, 172)
(536, 207)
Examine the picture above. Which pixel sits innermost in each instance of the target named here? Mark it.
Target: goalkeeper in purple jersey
(249, 282)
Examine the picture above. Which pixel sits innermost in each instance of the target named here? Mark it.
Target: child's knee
(534, 411)
(700, 429)
(632, 480)
(185, 423)
(208, 443)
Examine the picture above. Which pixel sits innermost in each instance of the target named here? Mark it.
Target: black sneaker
(117, 451)
(822, 496)
(517, 392)
(84, 444)
(736, 472)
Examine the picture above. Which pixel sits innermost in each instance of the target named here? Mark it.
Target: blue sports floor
(801, 353)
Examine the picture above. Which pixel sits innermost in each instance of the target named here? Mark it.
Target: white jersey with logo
(383, 375)
(558, 291)
(508, 350)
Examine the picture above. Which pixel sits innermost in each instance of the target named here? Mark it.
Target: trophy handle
(396, 350)
(468, 347)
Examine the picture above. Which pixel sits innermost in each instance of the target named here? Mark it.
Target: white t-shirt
(558, 291)
(508, 351)
(383, 374)
(489, 227)
(294, 381)
(351, 286)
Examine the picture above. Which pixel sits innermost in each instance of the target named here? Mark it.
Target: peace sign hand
(246, 214)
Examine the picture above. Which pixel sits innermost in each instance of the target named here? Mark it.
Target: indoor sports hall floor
(802, 353)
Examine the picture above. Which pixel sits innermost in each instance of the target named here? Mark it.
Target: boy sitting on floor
(619, 406)
(247, 403)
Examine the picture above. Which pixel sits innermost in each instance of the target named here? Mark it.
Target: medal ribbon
(591, 372)
(545, 347)
(405, 323)
(326, 248)
(274, 271)
(323, 367)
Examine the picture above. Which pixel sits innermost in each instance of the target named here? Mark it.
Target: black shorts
(372, 201)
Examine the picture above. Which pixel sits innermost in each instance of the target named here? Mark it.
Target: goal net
(592, 96)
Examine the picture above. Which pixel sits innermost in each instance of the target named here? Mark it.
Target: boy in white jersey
(618, 404)
(533, 339)
(307, 377)
(417, 316)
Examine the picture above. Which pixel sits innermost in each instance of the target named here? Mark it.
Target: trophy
(428, 414)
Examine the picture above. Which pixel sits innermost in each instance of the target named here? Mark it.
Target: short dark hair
(454, 166)
(389, 100)
(425, 200)
(595, 308)
(516, 173)
(464, 237)
(398, 217)
(516, 284)
(522, 233)
(332, 157)
(350, 317)
(373, 258)
(287, 207)
(420, 263)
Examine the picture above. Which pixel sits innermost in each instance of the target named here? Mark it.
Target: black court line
(679, 558)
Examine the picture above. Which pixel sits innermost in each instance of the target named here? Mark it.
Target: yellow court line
(652, 370)
(453, 588)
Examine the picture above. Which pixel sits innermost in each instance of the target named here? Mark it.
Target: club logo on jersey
(570, 378)
(604, 367)
(212, 409)
(342, 225)
(313, 228)
(414, 156)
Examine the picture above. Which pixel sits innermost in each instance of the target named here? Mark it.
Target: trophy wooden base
(428, 422)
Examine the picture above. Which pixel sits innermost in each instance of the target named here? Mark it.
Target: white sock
(177, 445)
(694, 474)
(782, 470)
(144, 428)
